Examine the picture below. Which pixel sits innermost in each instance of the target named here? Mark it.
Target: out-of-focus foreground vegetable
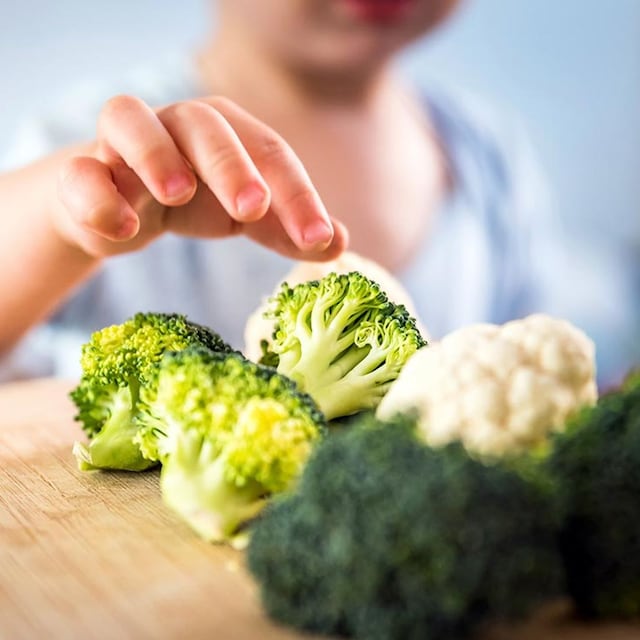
(387, 538)
(117, 362)
(341, 339)
(498, 389)
(596, 465)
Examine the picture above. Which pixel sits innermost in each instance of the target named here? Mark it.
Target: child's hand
(200, 168)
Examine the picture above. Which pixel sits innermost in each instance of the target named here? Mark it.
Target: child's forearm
(38, 268)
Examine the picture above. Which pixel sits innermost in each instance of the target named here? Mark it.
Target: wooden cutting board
(97, 555)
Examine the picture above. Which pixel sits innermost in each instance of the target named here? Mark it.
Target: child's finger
(218, 157)
(270, 233)
(293, 197)
(130, 130)
(88, 193)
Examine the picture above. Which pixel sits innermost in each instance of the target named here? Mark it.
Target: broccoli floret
(235, 433)
(596, 464)
(117, 362)
(341, 339)
(386, 538)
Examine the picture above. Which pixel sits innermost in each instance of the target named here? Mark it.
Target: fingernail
(250, 200)
(317, 235)
(128, 227)
(177, 186)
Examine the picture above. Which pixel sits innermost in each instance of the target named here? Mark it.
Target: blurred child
(289, 135)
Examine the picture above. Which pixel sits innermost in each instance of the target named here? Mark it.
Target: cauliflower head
(499, 389)
(259, 328)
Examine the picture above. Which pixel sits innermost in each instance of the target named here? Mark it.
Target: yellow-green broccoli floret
(117, 362)
(235, 433)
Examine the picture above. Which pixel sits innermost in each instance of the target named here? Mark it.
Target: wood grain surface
(97, 555)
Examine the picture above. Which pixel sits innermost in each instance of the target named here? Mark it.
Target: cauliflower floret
(498, 389)
(259, 328)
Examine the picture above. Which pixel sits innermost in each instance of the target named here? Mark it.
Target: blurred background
(570, 69)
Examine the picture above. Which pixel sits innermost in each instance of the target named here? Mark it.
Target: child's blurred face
(334, 35)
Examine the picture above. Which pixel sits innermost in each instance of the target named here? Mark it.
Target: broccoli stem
(113, 447)
(194, 485)
(351, 382)
(349, 395)
(319, 362)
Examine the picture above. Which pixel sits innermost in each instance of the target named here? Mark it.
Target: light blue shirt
(492, 256)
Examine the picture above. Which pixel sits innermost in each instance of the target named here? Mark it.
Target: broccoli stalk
(113, 446)
(117, 362)
(235, 433)
(341, 339)
(194, 484)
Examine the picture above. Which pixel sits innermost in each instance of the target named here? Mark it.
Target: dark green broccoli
(117, 362)
(386, 538)
(341, 339)
(596, 464)
(234, 433)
